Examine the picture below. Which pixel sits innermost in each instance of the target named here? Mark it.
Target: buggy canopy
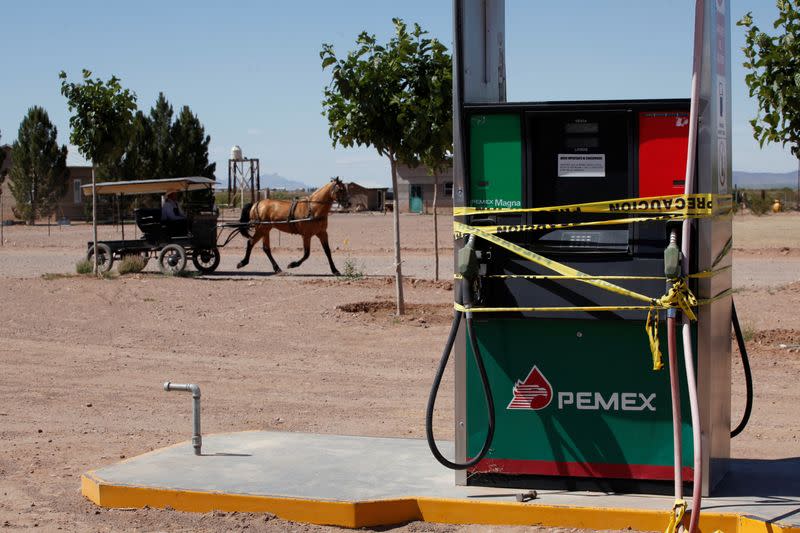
(161, 186)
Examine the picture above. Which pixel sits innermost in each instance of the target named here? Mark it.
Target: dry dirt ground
(82, 360)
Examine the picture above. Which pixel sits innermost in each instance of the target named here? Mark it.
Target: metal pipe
(197, 439)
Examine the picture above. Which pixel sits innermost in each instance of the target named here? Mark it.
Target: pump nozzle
(468, 266)
(672, 257)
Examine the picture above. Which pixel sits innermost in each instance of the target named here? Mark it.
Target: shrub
(131, 264)
(84, 266)
(352, 270)
(758, 205)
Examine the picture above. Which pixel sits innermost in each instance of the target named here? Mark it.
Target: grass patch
(352, 269)
(50, 276)
(84, 266)
(131, 264)
(748, 333)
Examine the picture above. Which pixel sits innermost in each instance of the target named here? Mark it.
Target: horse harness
(293, 216)
(292, 219)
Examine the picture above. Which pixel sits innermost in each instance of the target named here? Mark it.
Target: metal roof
(161, 186)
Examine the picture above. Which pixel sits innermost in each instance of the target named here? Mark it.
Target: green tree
(773, 65)
(395, 98)
(161, 149)
(39, 176)
(190, 146)
(134, 163)
(101, 124)
(2, 179)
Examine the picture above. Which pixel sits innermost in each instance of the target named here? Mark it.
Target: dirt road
(82, 360)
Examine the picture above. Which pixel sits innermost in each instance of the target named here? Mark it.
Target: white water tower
(243, 178)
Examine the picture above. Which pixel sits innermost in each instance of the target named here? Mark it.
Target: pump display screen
(581, 127)
(578, 157)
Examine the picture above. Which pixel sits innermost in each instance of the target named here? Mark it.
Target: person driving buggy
(172, 216)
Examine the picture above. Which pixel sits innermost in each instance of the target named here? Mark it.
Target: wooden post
(94, 219)
(435, 227)
(401, 308)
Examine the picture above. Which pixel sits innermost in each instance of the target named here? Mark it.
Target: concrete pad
(365, 481)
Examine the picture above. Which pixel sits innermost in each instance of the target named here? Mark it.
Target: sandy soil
(82, 360)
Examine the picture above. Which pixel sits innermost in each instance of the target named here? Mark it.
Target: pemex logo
(534, 393)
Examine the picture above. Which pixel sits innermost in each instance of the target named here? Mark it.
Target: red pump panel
(663, 145)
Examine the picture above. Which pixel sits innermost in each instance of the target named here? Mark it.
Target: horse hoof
(337, 273)
(241, 264)
(293, 265)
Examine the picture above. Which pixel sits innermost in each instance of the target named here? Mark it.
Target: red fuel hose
(675, 384)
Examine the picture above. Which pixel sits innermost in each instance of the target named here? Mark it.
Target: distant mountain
(764, 180)
(276, 181)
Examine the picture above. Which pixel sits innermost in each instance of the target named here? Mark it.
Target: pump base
(368, 482)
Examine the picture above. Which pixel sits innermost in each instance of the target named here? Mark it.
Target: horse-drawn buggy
(173, 241)
(197, 235)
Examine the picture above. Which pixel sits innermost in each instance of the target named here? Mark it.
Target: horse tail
(244, 219)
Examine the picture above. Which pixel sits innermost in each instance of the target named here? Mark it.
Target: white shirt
(171, 211)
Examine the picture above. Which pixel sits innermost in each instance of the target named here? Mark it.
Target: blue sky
(251, 70)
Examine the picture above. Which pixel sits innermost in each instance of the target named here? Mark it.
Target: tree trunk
(435, 228)
(33, 200)
(797, 205)
(94, 219)
(401, 307)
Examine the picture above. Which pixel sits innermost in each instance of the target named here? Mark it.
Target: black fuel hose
(451, 338)
(748, 375)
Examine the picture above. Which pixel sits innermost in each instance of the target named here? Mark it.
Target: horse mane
(322, 192)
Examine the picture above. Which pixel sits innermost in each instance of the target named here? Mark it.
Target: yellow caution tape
(696, 275)
(518, 228)
(548, 263)
(722, 253)
(678, 296)
(694, 205)
(676, 516)
(586, 308)
(567, 309)
(651, 327)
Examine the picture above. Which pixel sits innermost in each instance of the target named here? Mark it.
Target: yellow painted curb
(396, 511)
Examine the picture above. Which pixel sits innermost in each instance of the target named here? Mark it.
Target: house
(71, 204)
(366, 198)
(415, 190)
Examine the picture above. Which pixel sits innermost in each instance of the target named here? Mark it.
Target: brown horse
(304, 216)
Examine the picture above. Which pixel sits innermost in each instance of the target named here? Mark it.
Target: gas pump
(569, 220)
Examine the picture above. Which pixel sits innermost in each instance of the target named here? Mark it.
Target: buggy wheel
(172, 259)
(206, 260)
(105, 259)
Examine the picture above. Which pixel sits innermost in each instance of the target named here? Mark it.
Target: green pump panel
(573, 398)
(495, 161)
